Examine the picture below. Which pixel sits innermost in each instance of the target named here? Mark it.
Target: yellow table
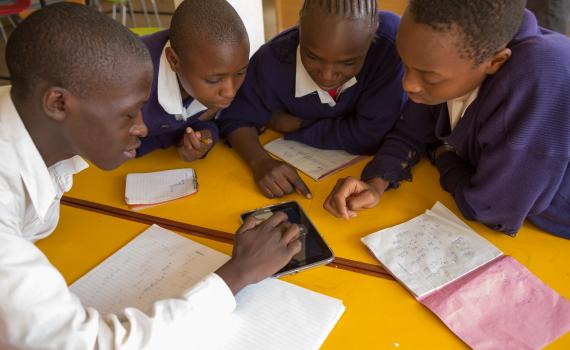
(380, 314)
(226, 189)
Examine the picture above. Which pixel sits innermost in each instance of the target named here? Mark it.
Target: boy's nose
(327, 73)
(410, 83)
(229, 89)
(139, 128)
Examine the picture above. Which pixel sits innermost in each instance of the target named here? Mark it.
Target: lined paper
(431, 250)
(314, 162)
(159, 264)
(159, 187)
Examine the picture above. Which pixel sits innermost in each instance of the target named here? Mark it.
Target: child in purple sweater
(333, 82)
(490, 104)
(199, 64)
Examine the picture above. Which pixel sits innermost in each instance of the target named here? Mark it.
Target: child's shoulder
(539, 53)
(388, 24)
(533, 86)
(155, 42)
(282, 49)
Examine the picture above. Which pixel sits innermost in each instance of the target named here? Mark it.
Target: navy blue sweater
(163, 128)
(362, 115)
(513, 143)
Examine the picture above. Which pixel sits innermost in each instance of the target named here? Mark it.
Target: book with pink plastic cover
(489, 300)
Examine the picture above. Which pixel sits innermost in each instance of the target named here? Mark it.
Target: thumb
(362, 200)
(249, 223)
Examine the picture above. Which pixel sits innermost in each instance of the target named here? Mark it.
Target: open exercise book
(144, 190)
(159, 264)
(314, 162)
(486, 298)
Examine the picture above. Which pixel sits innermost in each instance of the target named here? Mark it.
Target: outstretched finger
(299, 185)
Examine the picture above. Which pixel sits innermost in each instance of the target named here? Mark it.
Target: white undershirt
(458, 106)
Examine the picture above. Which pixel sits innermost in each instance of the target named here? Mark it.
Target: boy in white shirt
(79, 82)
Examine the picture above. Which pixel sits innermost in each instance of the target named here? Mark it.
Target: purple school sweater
(163, 128)
(513, 143)
(362, 115)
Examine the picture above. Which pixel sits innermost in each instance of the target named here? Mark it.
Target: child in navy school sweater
(199, 64)
(489, 93)
(333, 82)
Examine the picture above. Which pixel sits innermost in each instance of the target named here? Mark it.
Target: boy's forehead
(426, 48)
(345, 38)
(128, 85)
(218, 57)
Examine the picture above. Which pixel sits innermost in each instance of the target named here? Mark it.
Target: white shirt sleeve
(37, 310)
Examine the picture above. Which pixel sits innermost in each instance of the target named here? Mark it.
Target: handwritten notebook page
(270, 315)
(158, 187)
(316, 163)
(431, 250)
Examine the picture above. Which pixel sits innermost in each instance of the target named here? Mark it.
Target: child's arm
(507, 185)
(37, 309)
(284, 122)
(362, 131)
(273, 177)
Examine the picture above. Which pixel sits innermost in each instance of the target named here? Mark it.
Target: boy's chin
(424, 101)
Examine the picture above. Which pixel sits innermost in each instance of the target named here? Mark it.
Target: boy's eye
(432, 81)
(311, 56)
(213, 81)
(349, 63)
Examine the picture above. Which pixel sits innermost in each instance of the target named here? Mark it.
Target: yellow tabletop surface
(226, 189)
(380, 314)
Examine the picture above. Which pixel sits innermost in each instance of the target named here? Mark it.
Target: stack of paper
(314, 162)
(149, 189)
(270, 315)
(489, 300)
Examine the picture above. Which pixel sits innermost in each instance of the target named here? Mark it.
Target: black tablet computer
(314, 251)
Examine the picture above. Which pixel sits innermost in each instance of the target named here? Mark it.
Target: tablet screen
(314, 250)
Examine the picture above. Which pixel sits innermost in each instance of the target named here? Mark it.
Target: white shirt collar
(35, 175)
(169, 94)
(305, 85)
(458, 106)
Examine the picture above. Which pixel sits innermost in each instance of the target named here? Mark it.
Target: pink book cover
(501, 305)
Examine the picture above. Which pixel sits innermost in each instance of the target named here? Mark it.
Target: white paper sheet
(159, 187)
(270, 315)
(431, 250)
(316, 163)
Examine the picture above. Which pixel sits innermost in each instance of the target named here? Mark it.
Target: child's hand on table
(195, 144)
(277, 179)
(351, 195)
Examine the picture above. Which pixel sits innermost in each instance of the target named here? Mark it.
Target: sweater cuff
(388, 168)
(453, 170)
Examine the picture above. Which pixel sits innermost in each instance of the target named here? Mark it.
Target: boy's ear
(498, 60)
(55, 103)
(172, 58)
